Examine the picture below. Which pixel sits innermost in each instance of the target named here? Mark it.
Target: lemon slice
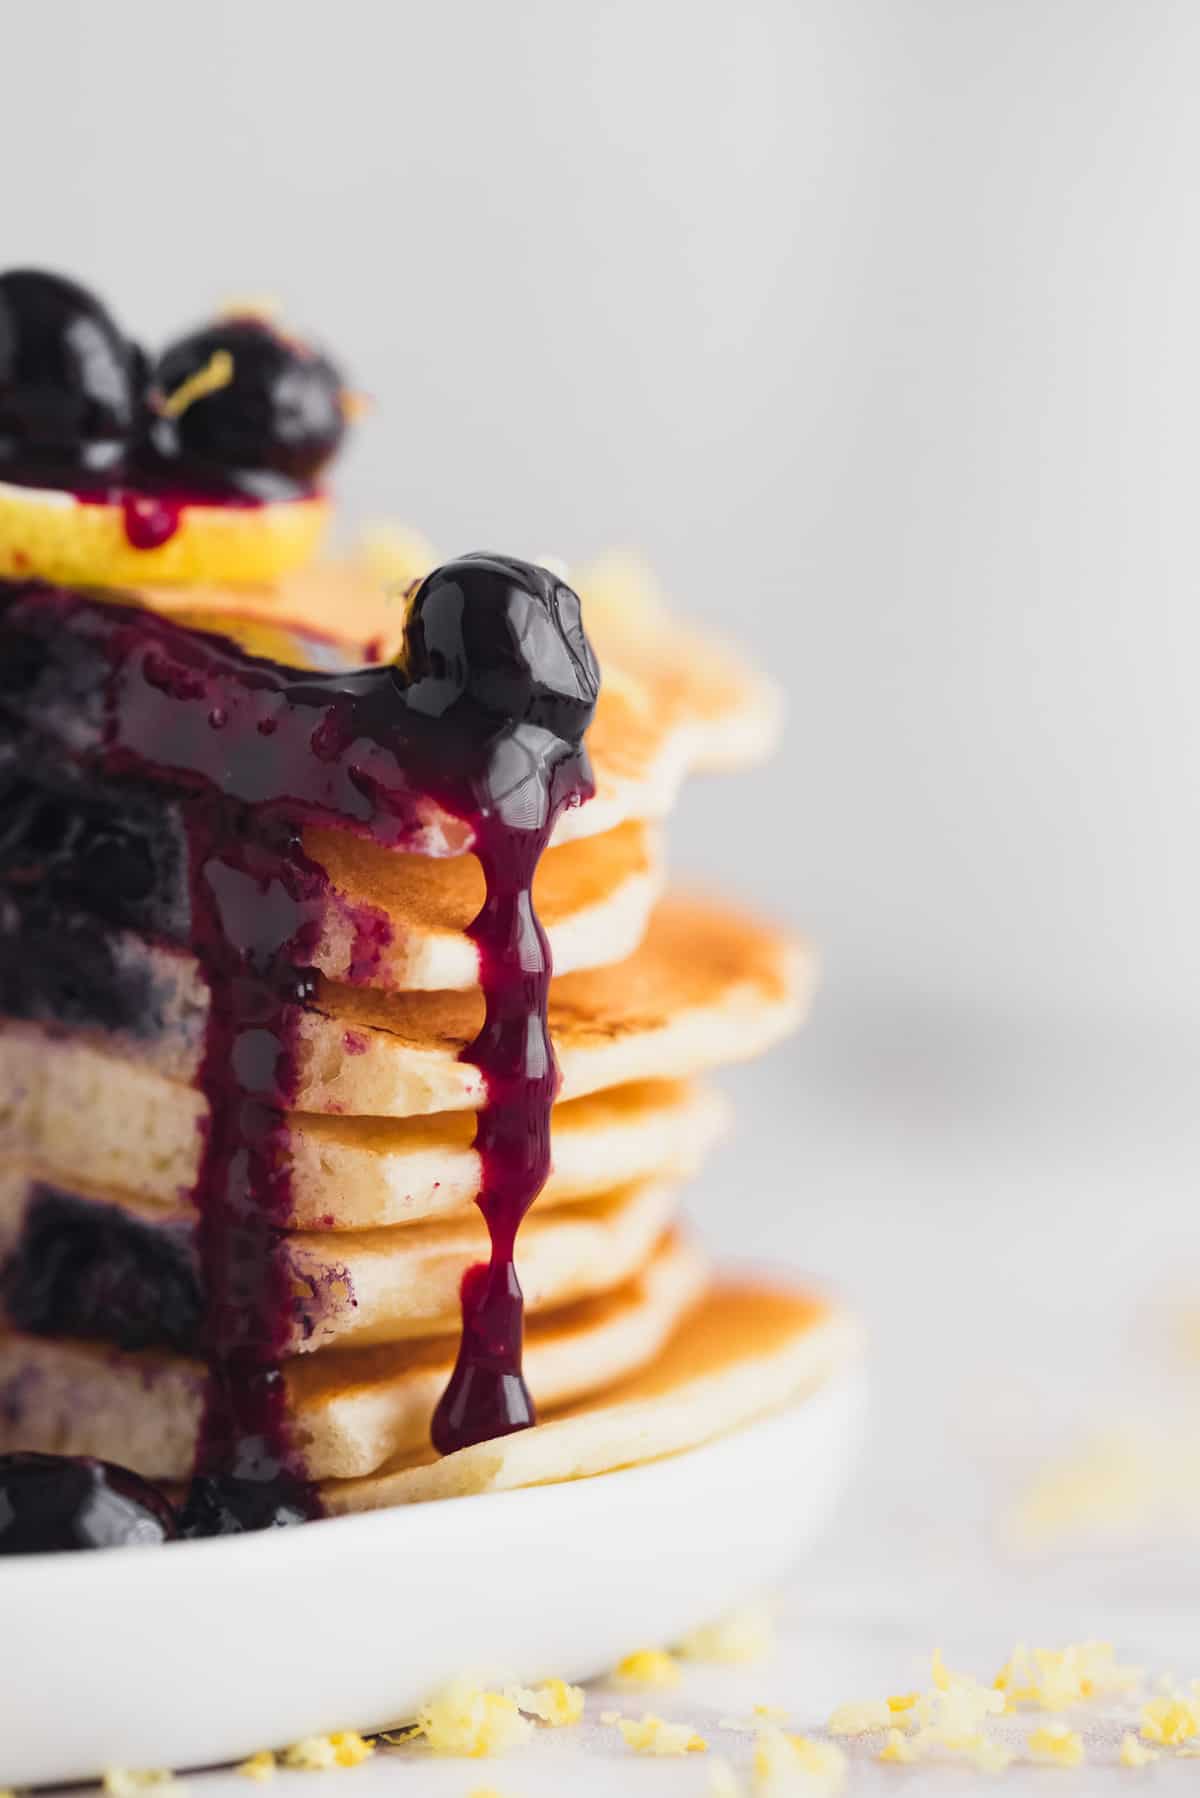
(135, 538)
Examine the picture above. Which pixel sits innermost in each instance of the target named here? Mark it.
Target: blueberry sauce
(484, 720)
(149, 520)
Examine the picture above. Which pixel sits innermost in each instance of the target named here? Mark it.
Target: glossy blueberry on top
(491, 641)
(240, 405)
(52, 1502)
(69, 382)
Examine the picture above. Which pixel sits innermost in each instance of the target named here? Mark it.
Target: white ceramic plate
(205, 1651)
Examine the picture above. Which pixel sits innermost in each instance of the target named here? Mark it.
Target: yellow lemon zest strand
(216, 374)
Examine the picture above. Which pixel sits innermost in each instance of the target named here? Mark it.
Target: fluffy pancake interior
(80, 1115)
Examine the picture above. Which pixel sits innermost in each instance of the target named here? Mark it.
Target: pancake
(396, 918)
(405, 916)
(355, 1003)
(350, 1409)
(98, 1263)
(707, 985)
(698, 679)
(78, 1114)
(673, 698)
(745, 1350)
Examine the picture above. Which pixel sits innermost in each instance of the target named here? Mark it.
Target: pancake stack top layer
(282, 1066)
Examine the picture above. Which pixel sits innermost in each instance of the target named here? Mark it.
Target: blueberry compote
(48, 1502)
(238, 413)
(482, 717)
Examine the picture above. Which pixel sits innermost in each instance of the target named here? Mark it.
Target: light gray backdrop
(876, 323)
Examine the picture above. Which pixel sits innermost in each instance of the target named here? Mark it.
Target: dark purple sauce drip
(487, 1395)
(254, 921)
(486, 721)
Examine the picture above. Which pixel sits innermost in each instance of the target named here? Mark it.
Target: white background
(876, 324)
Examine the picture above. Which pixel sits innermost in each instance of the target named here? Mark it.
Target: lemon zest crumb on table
(1171, 1720)
(898, 1747)
(654, 1735)
(554, 1702)
(321, 1754)
(260, 1766)
(1054, 1679)
(467, 1720)
(132, 1782)
(1134, 1753)
(647, 1667)
(781, 1760)
(1056, 1745)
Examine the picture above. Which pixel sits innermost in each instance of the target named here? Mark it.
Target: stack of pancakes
(631, 1349)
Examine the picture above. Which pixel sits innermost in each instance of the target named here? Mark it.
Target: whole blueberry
(69, 380)
(490, 640)
(228, 1505)
(51, 1502)
(239, 404)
